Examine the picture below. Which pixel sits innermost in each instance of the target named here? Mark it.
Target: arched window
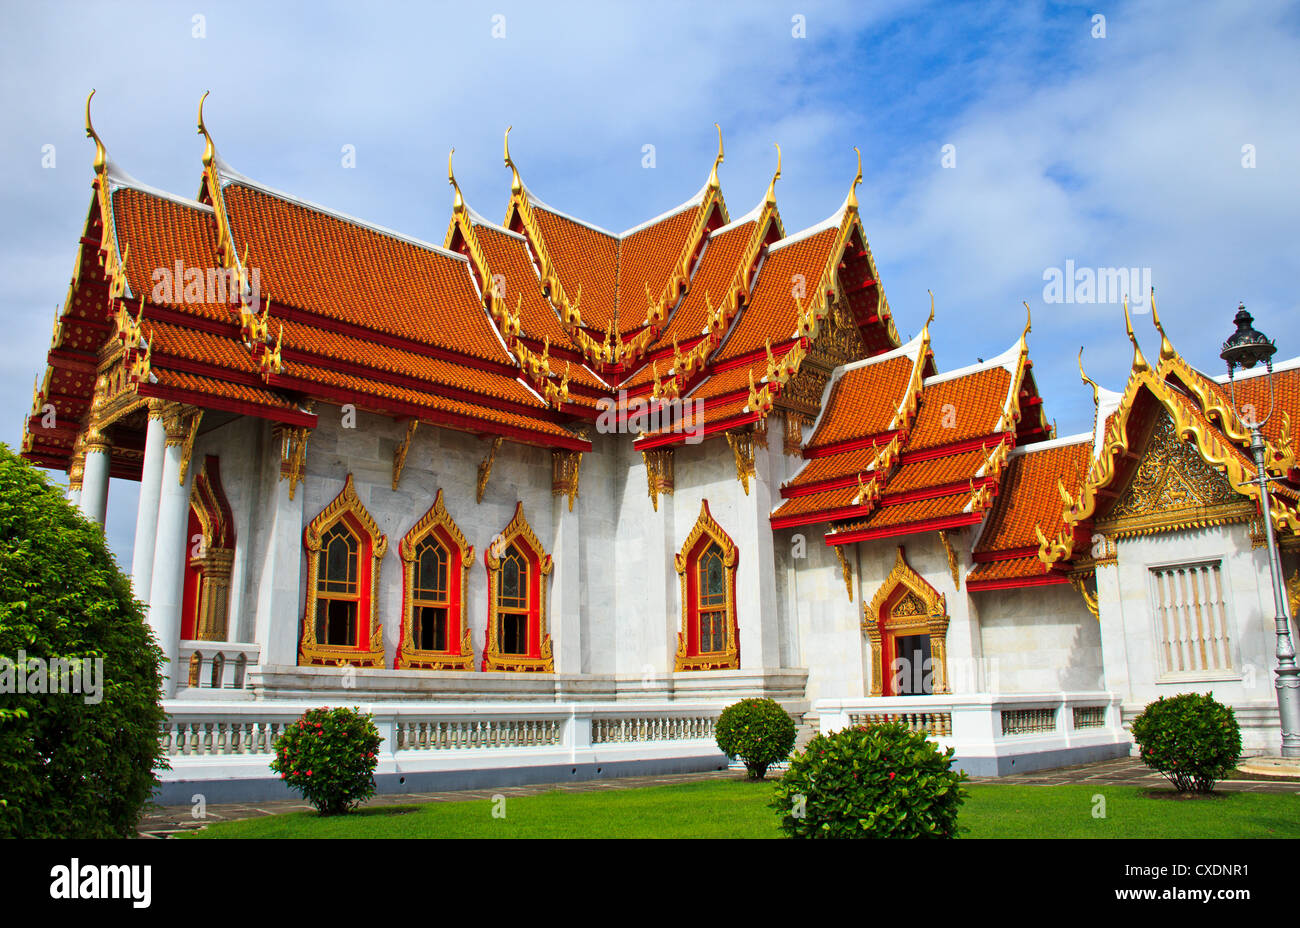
(709, 639)
(209, 554)
(517, 638)
(435, 558)
(344, 550)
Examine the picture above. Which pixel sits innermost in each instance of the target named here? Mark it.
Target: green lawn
(738, 809)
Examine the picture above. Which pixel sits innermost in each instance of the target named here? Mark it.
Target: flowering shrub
(758, 731)
(883, 781)
(329, 756)
(1191, 738)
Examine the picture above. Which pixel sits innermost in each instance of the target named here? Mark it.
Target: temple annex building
(545, 498)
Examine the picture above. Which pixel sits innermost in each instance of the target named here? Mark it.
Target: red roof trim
(893, 531)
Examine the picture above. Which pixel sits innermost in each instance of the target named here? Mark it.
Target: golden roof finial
(857, 179)
(209, 150)
(516, 185)
(101, 153)
(770, 198)
(1167, 352)
(1139, 362)
(1096, 394)
(1028, 325)
(930, 318)
(458, 202)
(713, 175)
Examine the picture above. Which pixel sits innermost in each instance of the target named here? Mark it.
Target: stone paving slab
(166, 822)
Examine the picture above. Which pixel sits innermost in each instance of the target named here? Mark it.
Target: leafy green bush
(329, 755)
(1191, 738)
(883, 781)
(75, 760)
(758, 731)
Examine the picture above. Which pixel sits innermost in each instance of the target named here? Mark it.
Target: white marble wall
(1039, 639)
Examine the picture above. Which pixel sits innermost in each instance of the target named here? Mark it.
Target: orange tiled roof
(862, 402)
(1028, 567)
(508, 257)
(903, 514)
(772, 313)
(961, 408)
(1029, 496)
(714, 274)
(328, 265)
(586, 260)
(646, 258)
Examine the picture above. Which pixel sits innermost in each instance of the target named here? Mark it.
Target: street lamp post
(1245, 348)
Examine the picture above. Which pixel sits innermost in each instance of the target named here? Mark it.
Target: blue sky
(1117, 151)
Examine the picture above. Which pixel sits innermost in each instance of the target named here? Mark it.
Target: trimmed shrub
(329, 755)
(758, 731)
(79, 747)
(1191, 738)
(883, 781)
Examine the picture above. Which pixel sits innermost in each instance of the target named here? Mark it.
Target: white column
(167, 585)
(756, 608)
(564, 611)
(146, 517)
(279, 597)
(94, 481)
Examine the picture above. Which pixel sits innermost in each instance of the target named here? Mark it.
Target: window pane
(340, 622)
(512, 633)
(712, 578)
(513, 580)
(431, 571)
(337, 564)
(431, 629)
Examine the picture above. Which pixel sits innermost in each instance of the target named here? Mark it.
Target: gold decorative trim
(792, 443)
(399, 454)
(293, 454)
(1090, 598)
(310, 650)
(729, 658)
(659, 473)
(952, 557)
(485, 469)
(845, 569)
(493, 659)
(409, 656)
(565, 468)
(742, 449)
(921, 608)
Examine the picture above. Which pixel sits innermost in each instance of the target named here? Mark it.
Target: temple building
(544, 498)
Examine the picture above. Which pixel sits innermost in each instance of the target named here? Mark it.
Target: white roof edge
(478, 219)
(1107, 402)
(537, 203)
(1288, 365)
(228, 176)
(1051, 443)
(680, 208)
(118, 179)
(831, 222)
(1005, 360)
(751, 216)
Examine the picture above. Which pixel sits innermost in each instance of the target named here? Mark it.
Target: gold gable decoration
(310, 650)
(493, 659)
(920, 609)
(460, 655)
(1173, 489)
(729, 657)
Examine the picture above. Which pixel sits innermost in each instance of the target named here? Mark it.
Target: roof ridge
(1004, 360)
(118, 179)
(1053, 443)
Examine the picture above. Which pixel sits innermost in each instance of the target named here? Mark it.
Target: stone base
(1271, 766)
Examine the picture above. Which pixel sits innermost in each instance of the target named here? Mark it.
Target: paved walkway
(165, 822)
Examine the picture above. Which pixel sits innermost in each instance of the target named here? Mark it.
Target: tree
(79, 746)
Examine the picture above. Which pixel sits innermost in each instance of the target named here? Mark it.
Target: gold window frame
(728, 658)
(459, 655)
(493, 659)
(310, 650)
